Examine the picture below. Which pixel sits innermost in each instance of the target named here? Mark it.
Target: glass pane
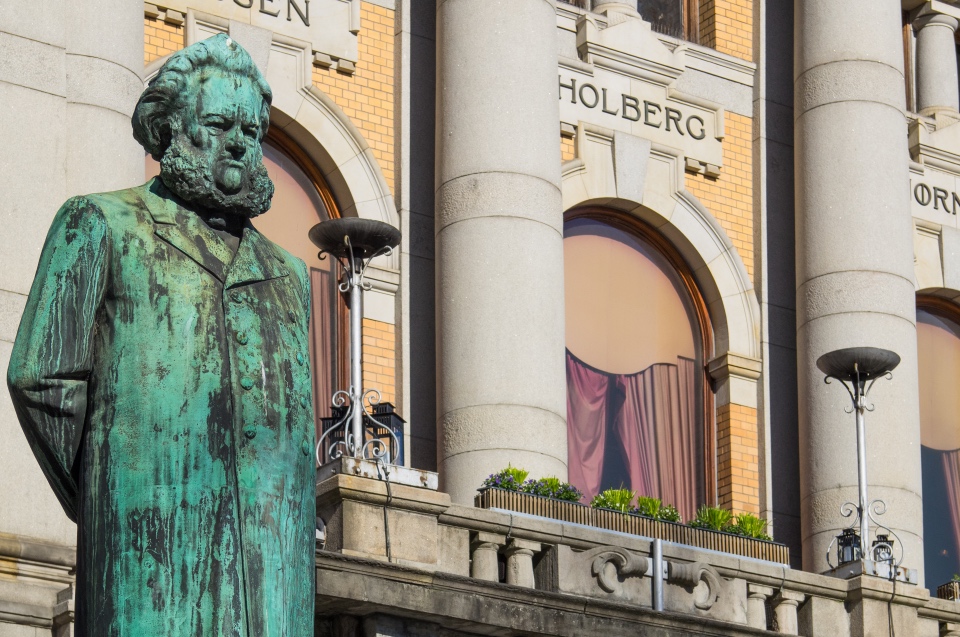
(938, 344)
(665, 16)
(295, 208)
(634, 386)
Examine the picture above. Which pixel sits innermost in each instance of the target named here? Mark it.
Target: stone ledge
(25, 548)
(25, 615)
(461, 603)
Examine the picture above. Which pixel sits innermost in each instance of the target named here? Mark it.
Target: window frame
(630, 224)
(944, 309)
(285, 144)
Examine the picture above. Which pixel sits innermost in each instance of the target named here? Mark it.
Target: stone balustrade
(473, 570)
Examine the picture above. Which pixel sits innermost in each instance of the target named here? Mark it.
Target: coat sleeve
(52, 357)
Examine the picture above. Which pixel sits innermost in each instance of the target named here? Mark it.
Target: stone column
(785, 612)
(520, 562)
(757, 605)
(615, 6)
(937, 87)
(484, 549)
(854, 266)
(501, 385)
(68, 84)
(104, 64)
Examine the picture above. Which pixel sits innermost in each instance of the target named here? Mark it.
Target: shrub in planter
(655, 508)
(749, 525)
(552, 488)
(712, 518)
(616, 499)
(510, 479)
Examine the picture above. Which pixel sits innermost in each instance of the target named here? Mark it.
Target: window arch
(637, 334)
(301, 199)
(938, 353)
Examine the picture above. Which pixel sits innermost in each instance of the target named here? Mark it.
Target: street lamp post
(354, 243)
(857, 369)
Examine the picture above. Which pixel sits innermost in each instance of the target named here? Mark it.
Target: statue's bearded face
(214, 159)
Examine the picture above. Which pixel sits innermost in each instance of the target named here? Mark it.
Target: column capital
(935, 19)
(790, 598)
(485, 539)
(523, 546)
(756, 591)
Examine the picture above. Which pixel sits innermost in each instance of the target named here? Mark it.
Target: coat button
(246, 382)
(293, 317)
(299, 358)
(305, 448)
(242, 338)
(250, 433)
(304, 402)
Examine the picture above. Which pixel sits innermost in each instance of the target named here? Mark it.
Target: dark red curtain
(323, 343)
(951, 478)
(650, 415)
(587, 391)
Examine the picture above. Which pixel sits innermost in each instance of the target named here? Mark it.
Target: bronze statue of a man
(161, 376)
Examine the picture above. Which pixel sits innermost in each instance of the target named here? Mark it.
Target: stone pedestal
(501, 380)
(936, 64)
(854, 268)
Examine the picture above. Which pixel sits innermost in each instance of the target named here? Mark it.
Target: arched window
(938, 350)
(301, 200)
(635, 338)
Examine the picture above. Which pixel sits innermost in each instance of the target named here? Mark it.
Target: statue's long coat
(165, 390)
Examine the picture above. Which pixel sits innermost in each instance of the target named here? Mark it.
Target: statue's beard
(189, 172)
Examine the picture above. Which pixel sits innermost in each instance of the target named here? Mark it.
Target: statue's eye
(219, 124)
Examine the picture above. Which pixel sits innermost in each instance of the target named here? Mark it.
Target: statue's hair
(157, 114)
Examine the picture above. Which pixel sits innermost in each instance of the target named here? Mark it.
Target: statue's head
(203, 118)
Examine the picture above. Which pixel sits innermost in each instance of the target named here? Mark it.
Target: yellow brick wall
(738, 459)
(380, 359)
(729, 198)
(568, 149)
(160, 39)
(367, 95)
(727, 26)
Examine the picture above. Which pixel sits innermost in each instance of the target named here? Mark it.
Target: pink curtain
(651, 415)
(322, 339)
(587, 394)
(951, 479)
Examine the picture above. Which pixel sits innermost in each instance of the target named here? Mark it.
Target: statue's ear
(151, 126)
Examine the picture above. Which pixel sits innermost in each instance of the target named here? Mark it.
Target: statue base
(395, 474)
(882, 570)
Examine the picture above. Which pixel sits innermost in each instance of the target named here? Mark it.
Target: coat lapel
(185, 231)
(256, 260)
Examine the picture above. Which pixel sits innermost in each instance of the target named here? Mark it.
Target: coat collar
(256, 258)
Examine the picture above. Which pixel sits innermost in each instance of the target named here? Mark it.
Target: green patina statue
(161, 376)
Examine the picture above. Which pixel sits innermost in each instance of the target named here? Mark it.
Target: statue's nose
(234, 141)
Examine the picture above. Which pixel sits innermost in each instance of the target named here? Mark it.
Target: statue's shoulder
(129, 204)
(292, 263)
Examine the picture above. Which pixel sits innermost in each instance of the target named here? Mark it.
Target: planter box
(633, 524)
(950, 590)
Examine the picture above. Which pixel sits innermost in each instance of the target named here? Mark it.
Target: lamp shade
(367, 237)
(865, 363)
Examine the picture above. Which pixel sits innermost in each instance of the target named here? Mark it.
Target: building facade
(630, 230)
